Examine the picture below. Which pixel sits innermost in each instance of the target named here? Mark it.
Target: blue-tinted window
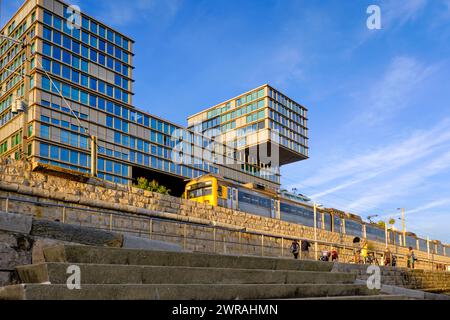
(47, 34)
(102, 45)
(57, 53)
(66, 57)
(101, 86)
(46, 64)
(66, 72)
(47, 49)
(57, 37)
(76, 47)
(76, 76)
(76, 62)
(85, 23)
(93, 55)
(83, 160)
(85, 37)
(83, 97)
(56, 68)
(75, 94)
(54, 152)
(84, 80)
(102, 31)
(85, 51)
(84, 66)
(94, 41)
(93, 101)
(47, 18)
(109, 166)
(64, 155)
(76, 33)
(44, 150)
(93, 83)
(46, 83)
(110, 62)
(67, 43)
(45, 131)
(65, 136)
(109, 91)
(57, 22)
(109, 121)
(73, 157)
(101, 59)
(94, 27)
(101, 103)
(66, 90)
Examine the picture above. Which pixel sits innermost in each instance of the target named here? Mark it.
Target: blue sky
(378, 100)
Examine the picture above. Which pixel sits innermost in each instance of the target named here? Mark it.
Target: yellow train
(293, 208)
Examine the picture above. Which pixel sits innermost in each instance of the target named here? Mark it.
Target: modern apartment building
(73, 80)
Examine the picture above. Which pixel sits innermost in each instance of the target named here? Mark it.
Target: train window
(440, 249)
(423, 245)
(337, 224)
(254, 200)
(374, 233)
(199, 193)
(297, 214)
(353, 228)
(411, 242)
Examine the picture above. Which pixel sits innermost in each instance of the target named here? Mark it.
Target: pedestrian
(387, 257)
(411, 258)
(364, 251)
(305, 249)
(334, 255)
(295, 248)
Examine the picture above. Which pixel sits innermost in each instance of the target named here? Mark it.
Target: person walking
(411, 258)
(387, 257)
(305, 249)
(295, 248)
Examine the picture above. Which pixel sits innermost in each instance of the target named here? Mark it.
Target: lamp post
(403, 225)
(316, 205)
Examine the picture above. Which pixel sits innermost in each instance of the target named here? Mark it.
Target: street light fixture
(316, 205)
(403, 225)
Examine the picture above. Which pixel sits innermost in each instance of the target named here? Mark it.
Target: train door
(274, 209)
(232, 197)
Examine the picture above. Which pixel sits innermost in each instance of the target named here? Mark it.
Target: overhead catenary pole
(403, 226)
(315, 231)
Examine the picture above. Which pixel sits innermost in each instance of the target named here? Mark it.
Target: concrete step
(369, 297)
(104, 255)
(180, 291)
(56, 273)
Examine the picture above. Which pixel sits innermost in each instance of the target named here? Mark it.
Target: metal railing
(204, 237)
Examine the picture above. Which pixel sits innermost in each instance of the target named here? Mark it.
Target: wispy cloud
(417, 146)
(431, 205)
(402, 185)
(397, 13)
(121, 13)
(393, 91)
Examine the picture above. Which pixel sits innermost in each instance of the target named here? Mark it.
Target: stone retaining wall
(18, 180)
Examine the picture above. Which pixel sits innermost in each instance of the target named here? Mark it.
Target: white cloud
(400, 12)
(393, 91)
(120, 13)
(419, 145)
(402, 185)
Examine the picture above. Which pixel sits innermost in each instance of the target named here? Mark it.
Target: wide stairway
(120, 274)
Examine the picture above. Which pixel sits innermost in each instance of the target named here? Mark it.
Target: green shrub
(153, 186)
